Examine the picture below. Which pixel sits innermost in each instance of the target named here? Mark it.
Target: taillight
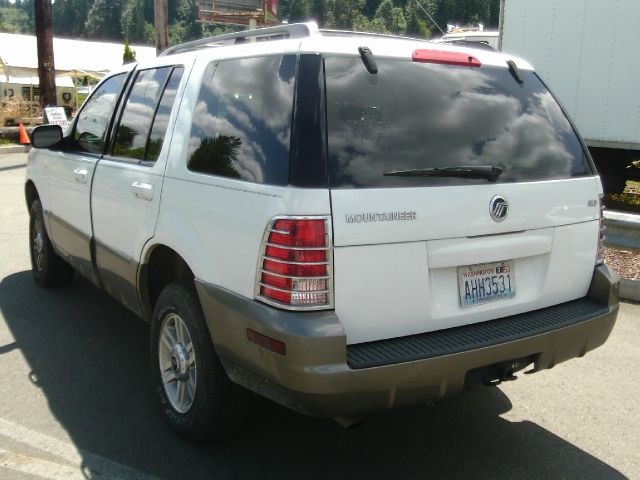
(601, 234)
(295, 269)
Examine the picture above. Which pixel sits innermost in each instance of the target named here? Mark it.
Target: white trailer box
(587, 52)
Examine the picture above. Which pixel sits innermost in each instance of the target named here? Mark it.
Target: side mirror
(46, 136)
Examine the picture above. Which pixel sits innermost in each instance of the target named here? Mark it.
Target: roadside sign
(56, 116)
(258, 13)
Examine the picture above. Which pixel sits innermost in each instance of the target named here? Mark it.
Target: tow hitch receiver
(492, 375)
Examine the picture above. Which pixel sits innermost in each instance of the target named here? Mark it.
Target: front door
(70, 173)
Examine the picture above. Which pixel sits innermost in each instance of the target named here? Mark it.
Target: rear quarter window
(242, 120)
(416, 115)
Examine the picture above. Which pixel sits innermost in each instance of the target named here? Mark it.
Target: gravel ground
(625, 261)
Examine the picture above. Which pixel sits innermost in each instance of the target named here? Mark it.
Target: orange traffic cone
(24, 136)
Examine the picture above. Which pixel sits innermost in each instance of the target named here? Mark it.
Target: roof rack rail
(467, 43)
(348, 33)
(293, 30)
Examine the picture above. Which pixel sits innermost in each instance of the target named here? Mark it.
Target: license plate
(486, 283)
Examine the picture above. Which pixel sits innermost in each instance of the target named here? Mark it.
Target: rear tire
(49, 269)
(198, 400)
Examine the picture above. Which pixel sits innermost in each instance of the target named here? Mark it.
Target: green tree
(17, 17)
(183, 24)
(103, 20)
(28, 8)
(283, 9)
(132, 20)
(13, 20)
(343, 14)
(69, 17)
(129, 56)
(298, 11)
(417, 21)
(149, 33)
(318, 11)
(391, 18)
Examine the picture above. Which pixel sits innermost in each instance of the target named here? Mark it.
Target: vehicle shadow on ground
(90, 358)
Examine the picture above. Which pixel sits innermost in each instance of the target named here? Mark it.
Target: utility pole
(161, 12)
(46, 66)
(501, 25)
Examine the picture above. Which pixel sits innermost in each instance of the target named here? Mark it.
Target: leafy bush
(628, 202)
(17, 111)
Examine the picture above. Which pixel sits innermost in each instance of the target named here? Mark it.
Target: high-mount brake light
(601, 233)
(295, 270)
(445, 58)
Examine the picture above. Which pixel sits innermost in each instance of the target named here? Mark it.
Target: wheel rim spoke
(168, 340)
(191, 385)
(179, 393)
(168, 376)
(192, 355)
(179, 331)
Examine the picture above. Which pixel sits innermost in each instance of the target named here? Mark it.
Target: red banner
(272, 7)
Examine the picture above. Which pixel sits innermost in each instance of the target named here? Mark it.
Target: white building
(19, 65)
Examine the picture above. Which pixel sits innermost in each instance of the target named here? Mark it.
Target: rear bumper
(321, 375)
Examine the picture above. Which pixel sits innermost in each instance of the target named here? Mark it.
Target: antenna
(430, 17)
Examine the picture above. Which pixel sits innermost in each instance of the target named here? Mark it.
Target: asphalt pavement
(76, 402)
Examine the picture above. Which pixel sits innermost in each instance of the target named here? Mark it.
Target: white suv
(341, 222)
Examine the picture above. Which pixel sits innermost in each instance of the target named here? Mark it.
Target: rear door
(70, 172)
(128, 180)
(419, 250)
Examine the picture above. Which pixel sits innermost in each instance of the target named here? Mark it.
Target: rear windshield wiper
(367, 58)
(488, 172)
(515, 71)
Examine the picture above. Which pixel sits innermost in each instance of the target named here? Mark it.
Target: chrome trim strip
(284, 247)
(293, 308)
(278, 231)
(274, 274)
(278, 260)
(292, 291)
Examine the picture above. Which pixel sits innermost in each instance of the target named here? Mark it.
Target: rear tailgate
(406, 244)
(400, 277)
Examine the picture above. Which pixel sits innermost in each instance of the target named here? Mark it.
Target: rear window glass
(416, 116)
(242, 120)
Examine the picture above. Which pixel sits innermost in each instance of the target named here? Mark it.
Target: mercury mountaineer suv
(341, 222)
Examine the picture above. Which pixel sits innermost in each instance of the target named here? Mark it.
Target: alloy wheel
(177, 363)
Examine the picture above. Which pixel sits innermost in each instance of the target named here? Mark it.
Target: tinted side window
(242, 120)
(161, 121)
(135, 123)
(94, 118)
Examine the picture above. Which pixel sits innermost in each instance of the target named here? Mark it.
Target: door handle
(80, 174)
(142, 190)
